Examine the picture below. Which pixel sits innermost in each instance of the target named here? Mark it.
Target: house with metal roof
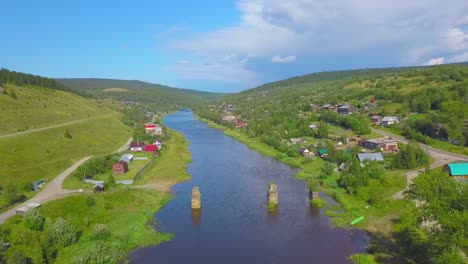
(366, 157)
(127, 158)
(390, 120)
(458, 171)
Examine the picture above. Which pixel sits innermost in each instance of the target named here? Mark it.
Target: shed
(458, 171)
(363, 157)
(323, 153)
(305, 152)
(22, 210)
(99, 187)
(127, 158)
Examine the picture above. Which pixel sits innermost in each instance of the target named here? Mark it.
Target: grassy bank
(125, 214)
(122, 214)
(171, 166)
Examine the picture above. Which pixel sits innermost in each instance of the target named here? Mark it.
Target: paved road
(54, 126)
(53, 190)
(440, 157)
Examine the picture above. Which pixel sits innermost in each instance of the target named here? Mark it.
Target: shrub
(61, 232)
(99, 254)
(90, 202)
(18, 257)
(34, 220)
(101, 231)
(68, 135)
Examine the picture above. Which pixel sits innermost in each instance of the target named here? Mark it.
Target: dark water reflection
(234, 225)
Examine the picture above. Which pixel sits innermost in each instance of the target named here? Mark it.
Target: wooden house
(120, 167)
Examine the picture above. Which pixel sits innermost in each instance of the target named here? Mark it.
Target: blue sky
(227, 45)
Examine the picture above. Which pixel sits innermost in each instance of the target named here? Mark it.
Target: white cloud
(286, 59)
(435, 61)
(415, 31)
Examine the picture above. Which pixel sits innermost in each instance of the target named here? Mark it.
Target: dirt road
(53, 190)
(440, 157)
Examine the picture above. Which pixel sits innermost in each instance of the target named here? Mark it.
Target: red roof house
(151, 148)
(120, 167)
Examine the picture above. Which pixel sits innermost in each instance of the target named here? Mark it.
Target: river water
(234, 225)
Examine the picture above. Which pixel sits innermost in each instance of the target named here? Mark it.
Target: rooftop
(370, 157)
(458, 169)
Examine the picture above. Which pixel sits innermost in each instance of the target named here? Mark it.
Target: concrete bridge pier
(196, 198)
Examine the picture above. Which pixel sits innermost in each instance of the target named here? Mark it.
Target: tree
(61, 232)
(322, 130)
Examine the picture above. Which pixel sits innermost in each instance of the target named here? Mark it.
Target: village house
(458, 171)
(390, 120)
(151, 148)
(313, 126)
(137, 146)
(345, 109)
(241, 124)
(229, 118)
(159, 144)
(150, 128)
(365, 157)
(120, 167)
(328, 107)
(305, 152)
(385, 144)
(158, 130)
(376, 120)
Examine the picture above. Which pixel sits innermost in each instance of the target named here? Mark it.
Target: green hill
(163, 97)
(34, 123)
(432, 101)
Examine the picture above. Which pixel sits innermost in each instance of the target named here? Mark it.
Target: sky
(227, 46)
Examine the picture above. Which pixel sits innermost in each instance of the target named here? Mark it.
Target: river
(234, 225)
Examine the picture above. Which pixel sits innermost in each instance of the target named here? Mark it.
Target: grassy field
(171, 166)
(68, 128)
(124, 213)
(37, 108)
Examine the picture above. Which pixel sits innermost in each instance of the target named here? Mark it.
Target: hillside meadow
(35, 107)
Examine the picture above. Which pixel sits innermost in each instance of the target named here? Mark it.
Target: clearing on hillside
(115, 89)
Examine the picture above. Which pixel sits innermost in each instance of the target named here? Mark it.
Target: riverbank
(378, 217)
(109, 225)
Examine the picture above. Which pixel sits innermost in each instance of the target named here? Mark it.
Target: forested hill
(133, 90)
(24, 79)
(339, 75)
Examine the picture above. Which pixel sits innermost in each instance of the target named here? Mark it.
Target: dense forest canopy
(24, 79)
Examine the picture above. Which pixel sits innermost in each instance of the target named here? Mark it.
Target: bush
(99, 254)
(68, 135)
(61, 232)
(101, 232)
(18, 257)
(90, 202)
(34, 220)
